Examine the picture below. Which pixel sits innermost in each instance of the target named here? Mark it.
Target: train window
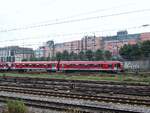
(49, 65)
(72, 65)
(110, 65)
(91, 65)
(81, 65)
(33, 65)
(98, 65)
(26, 65)
(118, 65)
(101, 65)
(40, 65)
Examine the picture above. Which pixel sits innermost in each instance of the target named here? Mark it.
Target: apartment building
(145, 36)
(86, 43)
(114, 43)
(110, 43)
(15, 53)
(91, 43)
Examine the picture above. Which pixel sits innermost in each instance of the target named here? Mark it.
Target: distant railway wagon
(90, 66)
(4, 66)
(63, 66)
(34, 66)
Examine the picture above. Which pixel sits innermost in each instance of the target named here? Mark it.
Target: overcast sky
(46, 13)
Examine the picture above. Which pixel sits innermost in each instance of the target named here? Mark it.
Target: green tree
(73, 56)
(58, 56)
(107, 55)
(33, 59)
(65, 55)
(125, 51)
(135, 52)
(131, 52)
(89, 55)
(145, 49)
(81, 55)
(24, 59)
(42, 59)
(99, 55)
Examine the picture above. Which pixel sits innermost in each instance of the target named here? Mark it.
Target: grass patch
(15, 106)
(89, 76)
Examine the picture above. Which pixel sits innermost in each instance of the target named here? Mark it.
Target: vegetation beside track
(125, 77)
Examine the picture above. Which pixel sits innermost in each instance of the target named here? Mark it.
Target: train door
(53, 67)
(63, 66)
(116, 67)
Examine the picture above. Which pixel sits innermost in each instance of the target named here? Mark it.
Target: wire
(75, 20)
(70, 34)
(86, 13)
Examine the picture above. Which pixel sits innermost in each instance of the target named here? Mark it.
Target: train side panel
(35, 66)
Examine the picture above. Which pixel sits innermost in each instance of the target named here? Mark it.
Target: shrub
(16, 106)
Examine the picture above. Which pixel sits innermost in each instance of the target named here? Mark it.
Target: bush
(16, 106)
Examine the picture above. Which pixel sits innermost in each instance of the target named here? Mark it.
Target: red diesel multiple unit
(64, 66)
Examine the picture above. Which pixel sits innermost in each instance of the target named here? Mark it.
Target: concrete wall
(143, 65)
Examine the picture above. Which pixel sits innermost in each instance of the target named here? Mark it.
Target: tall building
(40, 52)
(15, 53)
(74, 46)
(114, 43)
(145, 36)
(58, 47)
(110, 43)
(91, 43)
(86, 43)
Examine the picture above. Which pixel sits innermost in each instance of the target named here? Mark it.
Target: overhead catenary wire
(71, 34)
(74, 20)
(41, 43)
(86, 13)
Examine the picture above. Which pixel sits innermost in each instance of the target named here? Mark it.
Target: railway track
(65, 106)
(93, 91)
(87, 88)
(100, 98)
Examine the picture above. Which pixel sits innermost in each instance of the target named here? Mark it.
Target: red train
(64, 66)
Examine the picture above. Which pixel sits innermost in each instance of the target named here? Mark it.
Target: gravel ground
(140, 109)
(32, 110)
(38, 110)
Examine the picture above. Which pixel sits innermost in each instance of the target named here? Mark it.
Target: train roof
(67, 62)
(36, 62)
(88, 62)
